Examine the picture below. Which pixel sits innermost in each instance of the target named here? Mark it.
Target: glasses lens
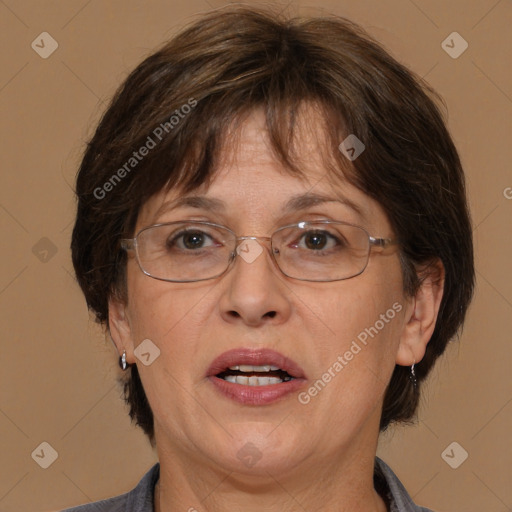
(321, 251)
(184, 251)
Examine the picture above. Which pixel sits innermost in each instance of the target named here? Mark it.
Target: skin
(317, 456)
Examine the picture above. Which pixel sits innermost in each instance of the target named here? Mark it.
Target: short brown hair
(227, 64)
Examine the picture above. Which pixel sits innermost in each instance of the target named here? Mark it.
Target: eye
(317, 240)
(190, 240)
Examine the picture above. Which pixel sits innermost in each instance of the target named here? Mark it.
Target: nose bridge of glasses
(257, 238)
(249, 248)
(262, 240)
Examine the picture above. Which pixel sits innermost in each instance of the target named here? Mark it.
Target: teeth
(251, 368)
(253, 380)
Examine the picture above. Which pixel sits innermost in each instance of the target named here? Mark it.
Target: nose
(254, 290)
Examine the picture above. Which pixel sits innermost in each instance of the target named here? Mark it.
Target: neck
(345, 486)
(157, 497)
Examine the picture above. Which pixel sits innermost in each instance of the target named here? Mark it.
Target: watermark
(44, 250)
(147, 352)
(45, 455)
(454, 45)
(351, 147)
(249, 454)
(44, 45)
(343, 360)
(156, 136)
(249, 250)
(454, 455)
(507, 193)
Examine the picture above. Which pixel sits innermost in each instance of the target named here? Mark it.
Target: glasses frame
(131, 245)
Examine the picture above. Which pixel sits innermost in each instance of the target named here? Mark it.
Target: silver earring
(122, 361)
(413, 375)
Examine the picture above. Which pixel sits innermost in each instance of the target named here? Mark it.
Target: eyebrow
(309, 199)
(199, 202)
(295, 203)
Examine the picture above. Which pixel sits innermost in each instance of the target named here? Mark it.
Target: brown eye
(193, 240)
(315, 241)
(190, 240)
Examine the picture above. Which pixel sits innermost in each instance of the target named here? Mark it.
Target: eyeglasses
(184, 252)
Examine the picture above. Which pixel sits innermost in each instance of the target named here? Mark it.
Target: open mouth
(250, 375)
(260, 376)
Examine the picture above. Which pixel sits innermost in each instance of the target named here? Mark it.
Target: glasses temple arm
(382, 242)
(128, 244)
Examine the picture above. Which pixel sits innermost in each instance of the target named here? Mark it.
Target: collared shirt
(140, 499)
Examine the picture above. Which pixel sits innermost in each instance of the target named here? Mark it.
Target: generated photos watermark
(343, 360)
(454, 45)
(156, 136)
(45, 455)
(454, 455)
(249, 454)
(352, 147)
(147, 352)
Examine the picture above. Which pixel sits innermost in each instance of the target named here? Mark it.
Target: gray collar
(140, 499)
(398, 497)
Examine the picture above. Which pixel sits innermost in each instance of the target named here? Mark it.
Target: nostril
(270, 314)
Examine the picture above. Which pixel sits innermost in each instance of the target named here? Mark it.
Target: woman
(272, 225)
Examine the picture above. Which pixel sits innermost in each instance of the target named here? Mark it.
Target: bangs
(190, 157)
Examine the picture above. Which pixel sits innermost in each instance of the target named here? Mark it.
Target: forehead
(250, 180)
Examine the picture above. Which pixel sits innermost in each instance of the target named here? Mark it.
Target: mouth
(255, 377)
(251, 367)
(250, 375)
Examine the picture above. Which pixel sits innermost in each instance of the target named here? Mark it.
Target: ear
(120, 329)
(421, 315)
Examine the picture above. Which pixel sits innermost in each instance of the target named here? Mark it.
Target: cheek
(161, 310)
(365, 318)
(177, 318)
(173, 317)
(354, 307)
(357, 355)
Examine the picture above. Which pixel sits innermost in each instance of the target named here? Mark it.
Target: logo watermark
(44, 45)
(147, 352)
(249, 250)
(454, 455)
(454, 45)
(249, 454)
(351, 147)
(45, 455)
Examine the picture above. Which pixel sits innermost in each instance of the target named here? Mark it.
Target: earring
(413, 375)
(122, 361)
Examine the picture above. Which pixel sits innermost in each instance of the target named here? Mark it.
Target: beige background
(57, 378)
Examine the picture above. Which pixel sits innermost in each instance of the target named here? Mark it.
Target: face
(342, 335)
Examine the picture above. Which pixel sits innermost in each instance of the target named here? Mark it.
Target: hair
(178, 103)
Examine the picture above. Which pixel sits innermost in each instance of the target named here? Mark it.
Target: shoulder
(117, 504)
(139, 499)
(399, 497)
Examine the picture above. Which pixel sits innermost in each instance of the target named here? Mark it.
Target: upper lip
(255, 357)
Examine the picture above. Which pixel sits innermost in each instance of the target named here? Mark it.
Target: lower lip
(256, 395)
